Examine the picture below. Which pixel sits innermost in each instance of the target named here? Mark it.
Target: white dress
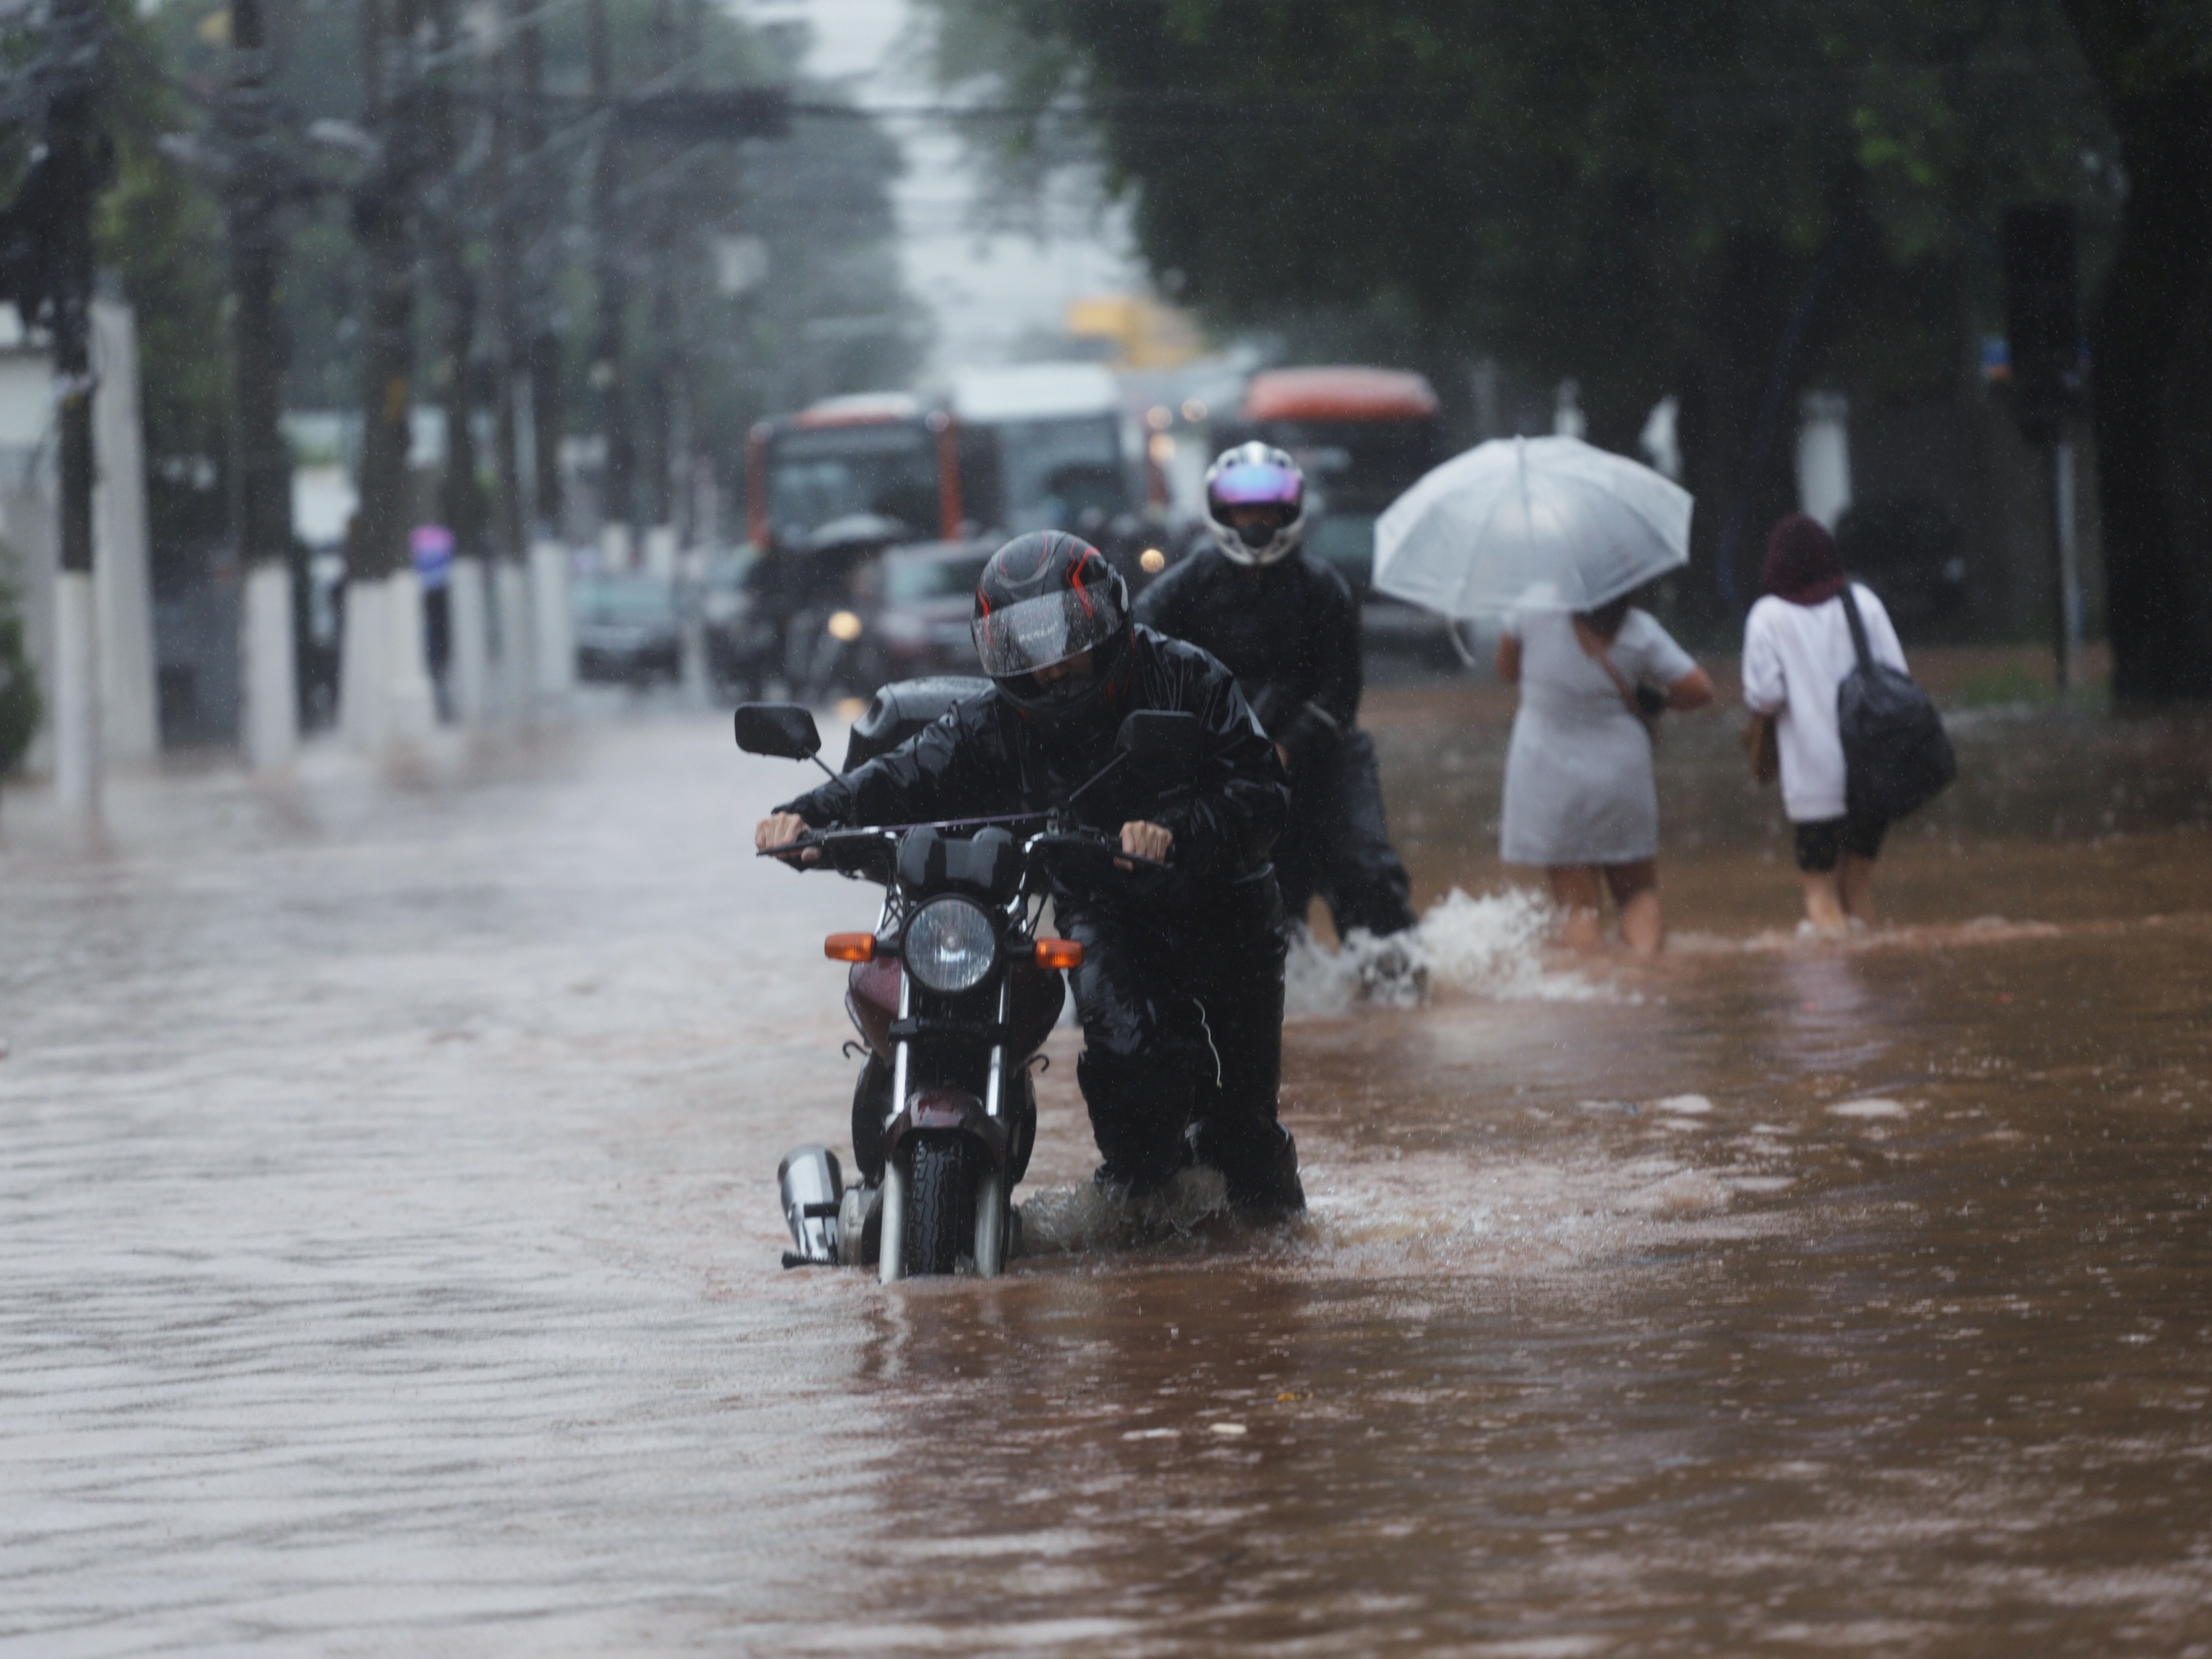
(1578, 786)
(1795, 656)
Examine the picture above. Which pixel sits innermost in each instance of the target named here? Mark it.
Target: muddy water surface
(387, 1187)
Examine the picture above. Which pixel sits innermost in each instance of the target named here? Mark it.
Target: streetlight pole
(386, 695)
(75, 164)
(261, 465)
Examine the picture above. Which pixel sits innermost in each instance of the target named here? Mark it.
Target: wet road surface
(386, 1193)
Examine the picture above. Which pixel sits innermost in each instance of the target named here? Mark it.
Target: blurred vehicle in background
(879, 453)
(1363, 436)
(629, 627)
(1051, 447)
(829, 587)
(920, 620)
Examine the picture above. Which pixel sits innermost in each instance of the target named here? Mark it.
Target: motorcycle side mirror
(783, 731)
(1162, 740)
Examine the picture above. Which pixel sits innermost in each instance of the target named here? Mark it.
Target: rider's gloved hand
(780, 830)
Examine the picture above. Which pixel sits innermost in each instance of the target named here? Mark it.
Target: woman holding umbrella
(1556, 537)
(1579, 795)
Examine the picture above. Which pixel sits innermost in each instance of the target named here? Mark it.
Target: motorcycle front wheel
(943, 1171)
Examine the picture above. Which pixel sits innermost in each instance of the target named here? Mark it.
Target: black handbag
(1897, 755)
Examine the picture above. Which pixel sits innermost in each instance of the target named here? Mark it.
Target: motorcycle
(953, 993)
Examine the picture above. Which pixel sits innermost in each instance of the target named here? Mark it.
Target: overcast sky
(983, 293)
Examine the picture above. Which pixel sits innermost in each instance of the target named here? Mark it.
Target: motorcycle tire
(871, 1100)
(943, 1172)
(1021, 1127)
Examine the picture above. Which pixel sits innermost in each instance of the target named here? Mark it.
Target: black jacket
(1289, 631)
(986, 757)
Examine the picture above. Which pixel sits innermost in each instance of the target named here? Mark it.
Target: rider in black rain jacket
(1285, 625)
(1181, 1001)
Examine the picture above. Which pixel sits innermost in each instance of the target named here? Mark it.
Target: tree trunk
(383, 221)
(618, 463)
(2151, 338)
(542, 352)
(261, 464)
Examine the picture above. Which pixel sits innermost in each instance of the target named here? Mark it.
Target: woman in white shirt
(1579, 796)
(1796, 650)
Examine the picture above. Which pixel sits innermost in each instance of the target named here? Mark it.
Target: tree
(2151, 344)
(1644, 199)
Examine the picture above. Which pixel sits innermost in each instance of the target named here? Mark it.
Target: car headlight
(949, 945)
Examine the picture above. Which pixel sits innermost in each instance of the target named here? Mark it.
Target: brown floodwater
(387, 1189)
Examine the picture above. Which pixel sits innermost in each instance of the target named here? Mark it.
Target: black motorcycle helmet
(1047, 598)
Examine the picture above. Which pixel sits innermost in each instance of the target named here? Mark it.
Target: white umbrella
(1531, 524)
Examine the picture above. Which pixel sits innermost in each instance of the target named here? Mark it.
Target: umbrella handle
(1458, 645)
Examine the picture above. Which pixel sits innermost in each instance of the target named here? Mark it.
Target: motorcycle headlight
(949, 945)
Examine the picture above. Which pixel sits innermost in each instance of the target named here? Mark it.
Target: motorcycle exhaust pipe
(813, 1189)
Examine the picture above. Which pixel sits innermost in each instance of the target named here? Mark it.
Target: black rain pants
(1337, 844)
(1182, 1031)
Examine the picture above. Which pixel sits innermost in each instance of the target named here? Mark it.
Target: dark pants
(1182, 1028)
(1337, 844)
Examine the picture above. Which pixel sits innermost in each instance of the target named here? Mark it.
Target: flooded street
(387, 1193)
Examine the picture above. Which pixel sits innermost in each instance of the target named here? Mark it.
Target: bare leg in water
(1835, 898)
(1577, 891)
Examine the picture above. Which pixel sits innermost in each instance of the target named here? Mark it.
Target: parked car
(629, 627)
(927, 595)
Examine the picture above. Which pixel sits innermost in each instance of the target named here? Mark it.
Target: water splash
(1075, 1220)
(1491, 945)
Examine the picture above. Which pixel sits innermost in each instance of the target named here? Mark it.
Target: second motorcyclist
(1182, 1002)
(1285, 625)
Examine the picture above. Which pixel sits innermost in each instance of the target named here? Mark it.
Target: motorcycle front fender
(948, 1109)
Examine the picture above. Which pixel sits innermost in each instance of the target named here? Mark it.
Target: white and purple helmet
(1257, 474)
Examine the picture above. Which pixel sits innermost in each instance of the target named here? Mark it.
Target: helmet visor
(1038, 633)
(1254, 484)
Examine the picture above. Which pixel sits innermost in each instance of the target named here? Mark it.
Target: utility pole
(461, 503)
(552, 645)
(261, 464)
(510, 536)
(2043, 349)
(387, 696)
(618, 463)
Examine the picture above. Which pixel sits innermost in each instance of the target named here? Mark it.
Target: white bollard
(1824, 456)
(660, 552)
(470, 664)
(270, 674)
(76, 695)
(554, 651)
(361, 664)
(511, 591)
(411, 704)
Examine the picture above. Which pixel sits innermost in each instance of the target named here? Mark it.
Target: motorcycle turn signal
(856, 947)
(1059, 953)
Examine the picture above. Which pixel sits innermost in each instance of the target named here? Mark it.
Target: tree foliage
(819, 200)
(1639, 197)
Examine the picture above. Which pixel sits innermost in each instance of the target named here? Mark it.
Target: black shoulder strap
(1858, 627)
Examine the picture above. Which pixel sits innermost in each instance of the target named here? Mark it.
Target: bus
(1046, 446)
(1363, 436)
(878, 454)
(1035, 447)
